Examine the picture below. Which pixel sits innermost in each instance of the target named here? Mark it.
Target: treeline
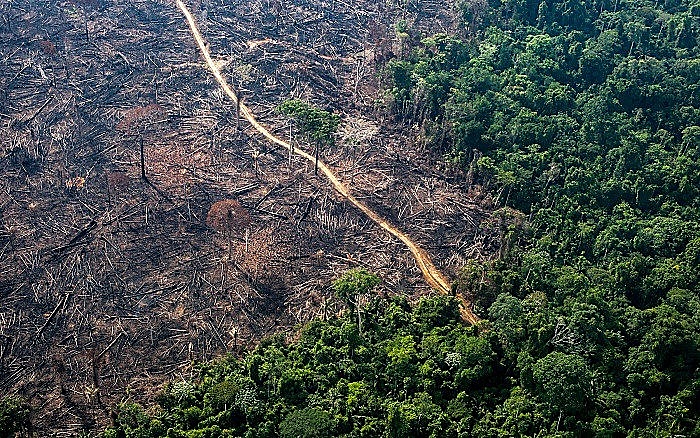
(418, 371)
(406, 372)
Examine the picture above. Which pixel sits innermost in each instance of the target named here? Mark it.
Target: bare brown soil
(110, 283)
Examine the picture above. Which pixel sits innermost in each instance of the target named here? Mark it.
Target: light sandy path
(436, 279)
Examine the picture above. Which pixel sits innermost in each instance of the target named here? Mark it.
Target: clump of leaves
(354, 283)
(14, 416)
(307, 423)
(318, 125)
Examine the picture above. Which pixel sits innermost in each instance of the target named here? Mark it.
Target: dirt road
(431, 273)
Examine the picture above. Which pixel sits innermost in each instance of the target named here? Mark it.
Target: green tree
(352, 286)
(318, 125)
(563, 381)
(307, 423)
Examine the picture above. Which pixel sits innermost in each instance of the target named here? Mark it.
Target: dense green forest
(581, 118)
(583, 115)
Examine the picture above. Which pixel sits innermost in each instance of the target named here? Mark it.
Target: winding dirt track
(436, 279)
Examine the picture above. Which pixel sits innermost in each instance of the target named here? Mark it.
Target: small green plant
(401, 28)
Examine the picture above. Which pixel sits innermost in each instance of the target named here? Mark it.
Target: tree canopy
(317, 124)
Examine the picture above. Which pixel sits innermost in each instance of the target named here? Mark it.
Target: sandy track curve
(436, 279)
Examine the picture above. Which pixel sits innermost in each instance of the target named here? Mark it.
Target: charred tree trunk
(316, 158)
(143, 160)
(238, 111)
